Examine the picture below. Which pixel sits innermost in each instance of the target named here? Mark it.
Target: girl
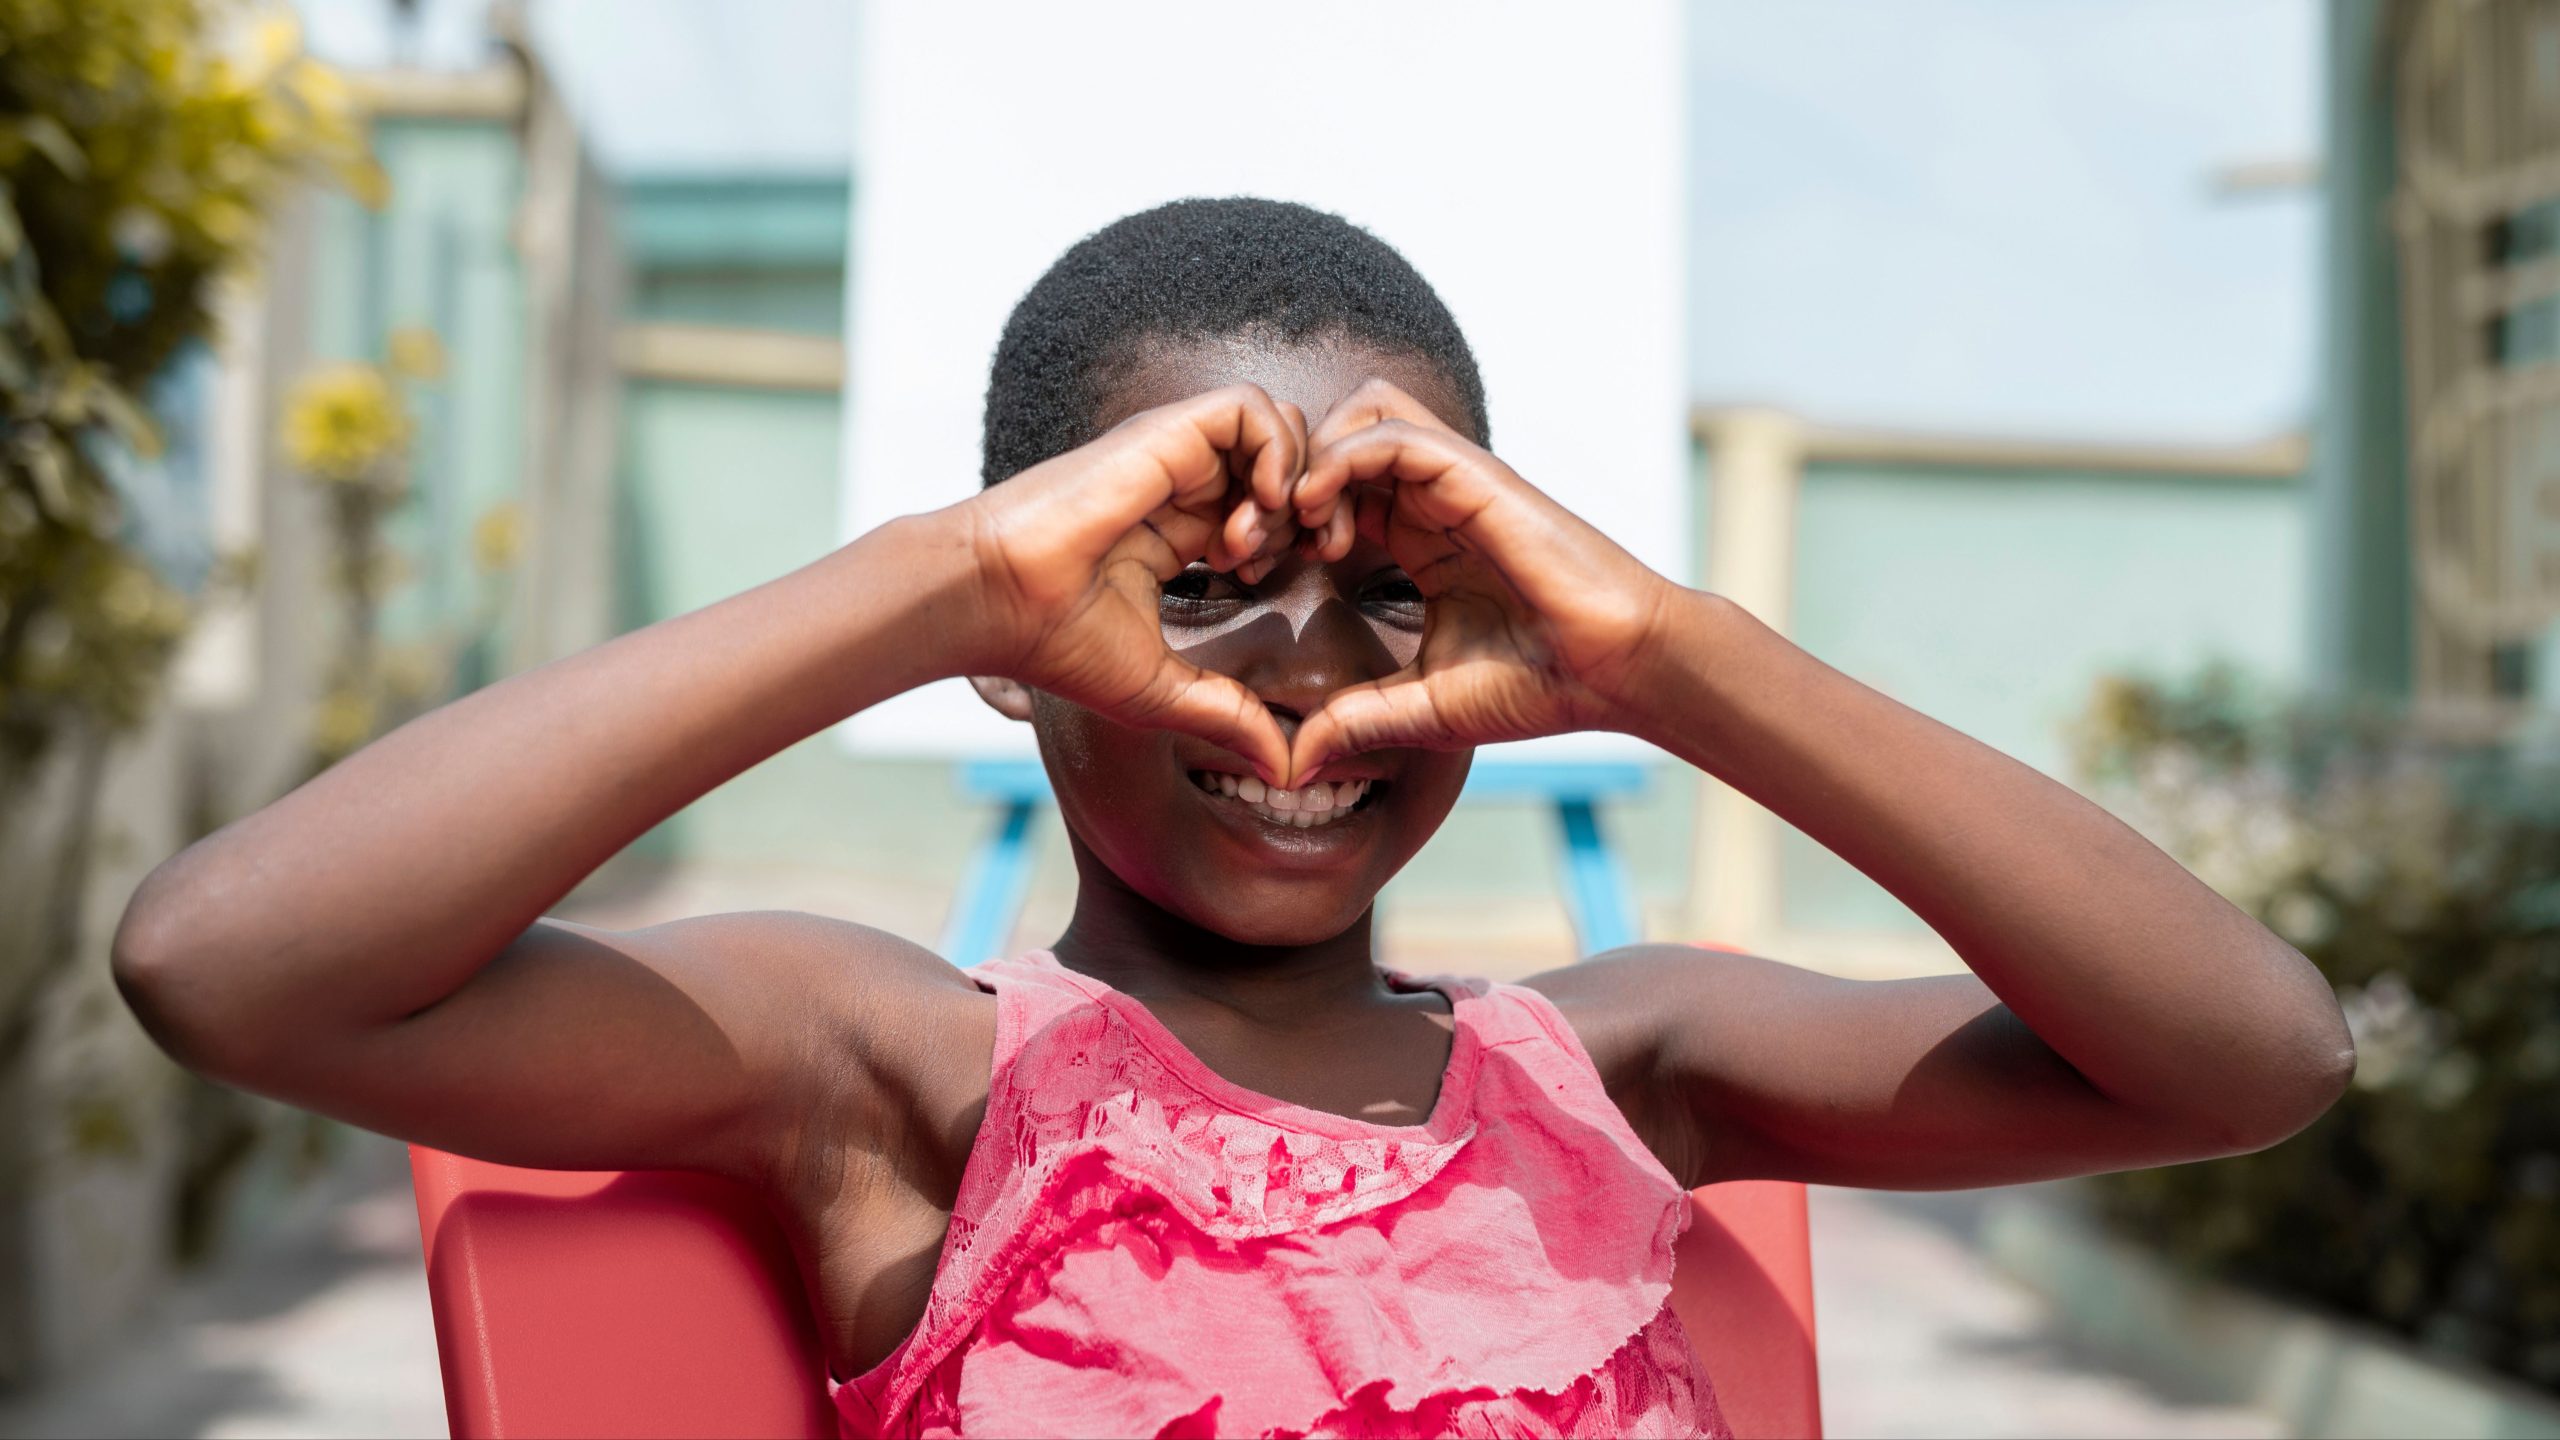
(1245, 565)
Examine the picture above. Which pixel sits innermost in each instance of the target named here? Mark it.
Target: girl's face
(1152, 806)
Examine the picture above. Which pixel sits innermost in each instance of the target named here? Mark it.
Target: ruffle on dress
(1143, 1248)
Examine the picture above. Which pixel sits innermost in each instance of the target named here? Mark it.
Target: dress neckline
(1451, 1109)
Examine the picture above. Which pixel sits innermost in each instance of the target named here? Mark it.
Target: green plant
(137, 150)
(2422, 875)
(140, 142)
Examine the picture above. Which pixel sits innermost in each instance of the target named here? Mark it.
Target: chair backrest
(1744, 1290)
(654, 1303)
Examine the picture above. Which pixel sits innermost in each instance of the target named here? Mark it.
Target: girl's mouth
(1306, 808)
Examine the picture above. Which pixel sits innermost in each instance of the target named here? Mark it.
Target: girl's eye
(1199, 591)
(1396, 596)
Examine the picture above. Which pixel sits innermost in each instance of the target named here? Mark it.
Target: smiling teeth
(1304, 808)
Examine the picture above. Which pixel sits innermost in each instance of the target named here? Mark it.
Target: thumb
(1374, 715)
(1214, 707)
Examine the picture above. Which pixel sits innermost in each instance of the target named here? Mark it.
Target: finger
(1167, 540)
(1440, 481)
(1284, 540)
(1297, 421)
(1340, 532)
(1278, 463)
(1203, 445)
(1218, 709)
(1267, 512)
(1374, 715)
(1195, 441)
(1374, 401)
(1398, 450)
(1183, 457)
(1272, 439)
(1244, 537)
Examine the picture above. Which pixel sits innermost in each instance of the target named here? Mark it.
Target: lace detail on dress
(1648, 1387)
(1140, 1248)
(1099, 1091)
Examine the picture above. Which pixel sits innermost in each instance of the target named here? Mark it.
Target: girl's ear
(1008, 698)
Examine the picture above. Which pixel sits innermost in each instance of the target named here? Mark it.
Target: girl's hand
(1537, 622)
(1073, 554)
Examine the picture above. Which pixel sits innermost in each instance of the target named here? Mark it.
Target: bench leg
(991, 894)
(1598, 893)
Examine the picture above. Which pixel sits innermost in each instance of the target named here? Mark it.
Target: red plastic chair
(653, 1303)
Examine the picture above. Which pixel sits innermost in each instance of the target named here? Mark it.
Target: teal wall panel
(1993, 602)
(439, 256)
(806, 301)
(722, 489)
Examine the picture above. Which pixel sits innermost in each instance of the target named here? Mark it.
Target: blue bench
(1598, 894)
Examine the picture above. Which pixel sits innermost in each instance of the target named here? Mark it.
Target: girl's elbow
(2312, 1070)
(2327, 1051)
(2332, 1068)
(2305, 1063)
(161, 966)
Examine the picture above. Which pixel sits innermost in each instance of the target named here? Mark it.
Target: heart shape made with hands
(1533, 617)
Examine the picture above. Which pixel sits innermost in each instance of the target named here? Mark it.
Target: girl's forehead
(1313, 375)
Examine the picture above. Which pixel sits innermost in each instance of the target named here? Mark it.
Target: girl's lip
(1372, 773)
(1313, 843)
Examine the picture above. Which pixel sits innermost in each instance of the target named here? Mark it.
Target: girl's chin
(1282, 924)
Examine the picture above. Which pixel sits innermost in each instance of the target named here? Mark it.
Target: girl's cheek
(1190, 634)
(1401, 643)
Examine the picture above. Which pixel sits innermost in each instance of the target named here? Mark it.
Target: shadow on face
(1181, 825)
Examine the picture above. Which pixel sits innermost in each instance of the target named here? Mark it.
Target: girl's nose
(1297, 666)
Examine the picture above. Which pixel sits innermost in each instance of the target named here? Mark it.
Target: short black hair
(1196, 270)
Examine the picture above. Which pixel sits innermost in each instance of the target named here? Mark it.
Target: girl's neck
(1139, 948)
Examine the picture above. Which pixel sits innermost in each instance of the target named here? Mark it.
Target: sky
(1996, 214)
(1984, 216)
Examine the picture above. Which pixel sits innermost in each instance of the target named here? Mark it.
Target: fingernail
(1254, 535)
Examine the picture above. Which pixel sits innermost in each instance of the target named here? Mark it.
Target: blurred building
(496, 240)
(646, 358)
(2438, 512)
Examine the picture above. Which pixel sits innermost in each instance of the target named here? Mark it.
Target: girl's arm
(370, 945)
(2119, 1013)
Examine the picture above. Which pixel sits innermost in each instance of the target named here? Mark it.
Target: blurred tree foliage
(141, 142)
(2423, 877)
(141, 145)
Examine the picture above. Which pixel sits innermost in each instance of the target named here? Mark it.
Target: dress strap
(1525, 1025)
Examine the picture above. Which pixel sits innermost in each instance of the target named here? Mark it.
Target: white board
(1526, 157)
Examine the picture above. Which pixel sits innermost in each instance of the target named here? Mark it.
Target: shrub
(2421, 873)
(140, 142)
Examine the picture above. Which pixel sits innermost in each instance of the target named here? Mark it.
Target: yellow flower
(416, 353)
(410, 673)
(272, 41)
(343, 422)
(343, 722)
(497, 536)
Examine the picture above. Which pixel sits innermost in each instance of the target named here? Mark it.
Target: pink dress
(1141, 1248)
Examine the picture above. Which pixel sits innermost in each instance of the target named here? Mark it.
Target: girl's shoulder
(895, 1039)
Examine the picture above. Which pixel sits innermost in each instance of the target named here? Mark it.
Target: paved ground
(324, 1332)
(321, 1330)
(1919, 1338)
